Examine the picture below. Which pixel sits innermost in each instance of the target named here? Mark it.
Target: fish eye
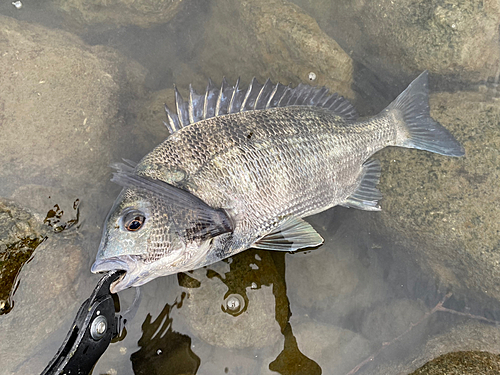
(133, 221)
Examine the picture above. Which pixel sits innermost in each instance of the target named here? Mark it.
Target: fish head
(155, 229)
(137, 234)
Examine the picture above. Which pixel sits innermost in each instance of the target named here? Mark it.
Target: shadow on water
(164, 351)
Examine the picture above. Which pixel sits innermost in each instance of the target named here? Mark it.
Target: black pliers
(95, 325)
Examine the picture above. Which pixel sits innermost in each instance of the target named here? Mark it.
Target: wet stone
(445, 210)
(455, 38)
(222, 308)
(75, 91)
(276, 40)
(119, 12)
(462, 363)
(335, 349)
(20, 234)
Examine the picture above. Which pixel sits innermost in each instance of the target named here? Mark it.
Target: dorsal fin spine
(220, 98)
(190, 106)
(169, 127)
(247, 95)
(173, 121)
(179, 103)
(230, 108)
(260, 94)
(208, 107)
(271, 97)
(264, 94)
(320, 95)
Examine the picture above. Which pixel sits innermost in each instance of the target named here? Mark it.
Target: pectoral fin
(293, 234)
(366, 196)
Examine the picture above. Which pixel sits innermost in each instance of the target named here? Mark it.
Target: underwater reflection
(164, 351)
(238, 306)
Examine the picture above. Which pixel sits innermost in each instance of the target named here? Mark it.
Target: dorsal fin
(219, 101)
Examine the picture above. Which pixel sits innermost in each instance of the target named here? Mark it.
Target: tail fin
(422, 132)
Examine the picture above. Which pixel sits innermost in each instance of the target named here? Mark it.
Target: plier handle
(95, 325)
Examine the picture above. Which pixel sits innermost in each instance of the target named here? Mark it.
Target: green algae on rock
(20, 235)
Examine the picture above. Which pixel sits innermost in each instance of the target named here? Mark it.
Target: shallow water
(376, 298)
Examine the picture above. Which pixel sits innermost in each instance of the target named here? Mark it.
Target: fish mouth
(111, 264)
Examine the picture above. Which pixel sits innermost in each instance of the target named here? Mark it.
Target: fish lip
(116, 263)
(110, 264)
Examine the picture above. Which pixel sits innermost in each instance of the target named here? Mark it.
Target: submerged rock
(462, 363)
(50, 292)
(149, 129)
(445, 210)
(61, 108)
(20, 234)
(120, 12)
(235, 305)
(334, 283)
(63, 122)
(456, 38)
(391, 319)
(274, 39)
(335, 349)
(466, 349)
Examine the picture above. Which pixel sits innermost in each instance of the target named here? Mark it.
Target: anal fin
(366, 195)
(293, 234)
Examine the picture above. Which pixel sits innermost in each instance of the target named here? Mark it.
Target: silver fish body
(246, 175)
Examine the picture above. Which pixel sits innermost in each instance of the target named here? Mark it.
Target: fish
(243, 168)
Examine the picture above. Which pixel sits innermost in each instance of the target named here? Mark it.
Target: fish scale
(243, 168)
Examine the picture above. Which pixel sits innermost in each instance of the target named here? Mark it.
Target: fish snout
(110, 264)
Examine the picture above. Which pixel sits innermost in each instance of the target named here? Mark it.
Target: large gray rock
(458, 38)
(20, 234)
(62, 118)
(273, 39)
(235, 305)
(63, 122)
(335, 349)
(119, 12)
(446, 209)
